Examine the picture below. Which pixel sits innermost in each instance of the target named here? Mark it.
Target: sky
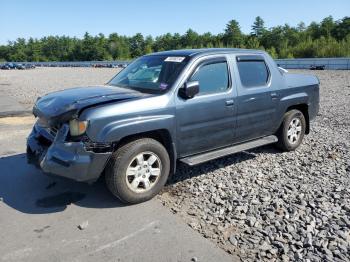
(38, 18)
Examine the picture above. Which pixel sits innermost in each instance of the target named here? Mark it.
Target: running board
(201, 158)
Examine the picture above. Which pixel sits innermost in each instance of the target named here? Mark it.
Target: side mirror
(189, 90)
(282, 70)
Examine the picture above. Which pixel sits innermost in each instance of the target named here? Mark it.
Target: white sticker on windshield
(176, 59)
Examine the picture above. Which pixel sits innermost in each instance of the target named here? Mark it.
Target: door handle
(250, 99)
(274, 95)
(229, 102)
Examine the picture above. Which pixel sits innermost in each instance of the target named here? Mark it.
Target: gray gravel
(267, 205)
(26, 85)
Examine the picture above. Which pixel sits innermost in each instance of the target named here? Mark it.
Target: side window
(253, 72)
(212, 78)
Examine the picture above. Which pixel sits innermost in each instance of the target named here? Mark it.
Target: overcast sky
(37, 18)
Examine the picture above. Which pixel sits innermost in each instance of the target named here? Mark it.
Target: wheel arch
(304, 109)
(163, 136)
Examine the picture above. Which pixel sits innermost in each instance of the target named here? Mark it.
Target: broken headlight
(77, 127)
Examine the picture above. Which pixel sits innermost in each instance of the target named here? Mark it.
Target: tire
(129, 174)
(289, 141)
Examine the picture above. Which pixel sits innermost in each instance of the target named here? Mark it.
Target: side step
(207, 156)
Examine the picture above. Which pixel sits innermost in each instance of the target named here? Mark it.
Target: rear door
(206, 121)
(257, 98)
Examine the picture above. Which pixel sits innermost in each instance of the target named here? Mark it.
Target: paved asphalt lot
(39, 217)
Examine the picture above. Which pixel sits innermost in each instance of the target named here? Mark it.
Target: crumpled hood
(60, 106)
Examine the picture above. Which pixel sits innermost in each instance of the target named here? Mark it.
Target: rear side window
(253, 72)
(212, 78)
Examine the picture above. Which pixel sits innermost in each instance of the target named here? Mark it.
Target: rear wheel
(138, 170)
(292, 130)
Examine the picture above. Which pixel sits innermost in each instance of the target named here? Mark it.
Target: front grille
(53, 131)
(44, 141)
(43, 124)
(48, 134)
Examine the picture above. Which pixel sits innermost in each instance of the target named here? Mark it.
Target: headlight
(77, 127)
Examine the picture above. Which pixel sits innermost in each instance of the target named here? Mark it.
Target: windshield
(154, 74)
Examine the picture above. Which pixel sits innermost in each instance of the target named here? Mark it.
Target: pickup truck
(191, 106)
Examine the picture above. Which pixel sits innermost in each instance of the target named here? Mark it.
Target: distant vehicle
(188, 105)
(98, 65)
(12, 65)
(317, 67)
(5, 67)
(29, 66)
(8, 66)
(20, 66)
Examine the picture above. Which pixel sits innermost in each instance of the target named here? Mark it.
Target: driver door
(206, 121)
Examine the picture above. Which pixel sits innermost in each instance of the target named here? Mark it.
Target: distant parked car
(20, 66)
(8, 66)
(317, 67)
(5, 67)
(29, 66)
(11, 65)
(122, 65)
(98, 65)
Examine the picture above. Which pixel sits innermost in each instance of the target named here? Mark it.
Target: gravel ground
(261, 204)
(265, 205)
(26, 85)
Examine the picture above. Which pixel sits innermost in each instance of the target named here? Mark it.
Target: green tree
(118, 46)
(314, 30)
(301, 27)
(233, 36)
(342, 28)
(17, 52)
(328, 38)
(252, 43)
(92, 48)
(327, 26)
(190, 39)
(33, 50)
(4, 53)
(137, 45)
(148, 45)
(272, 52)
(258, 27)
(165, 42)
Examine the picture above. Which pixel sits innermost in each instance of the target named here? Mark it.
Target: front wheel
(137, 171)
(292, 130)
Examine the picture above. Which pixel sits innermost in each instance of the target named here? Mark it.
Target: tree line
(329, 38)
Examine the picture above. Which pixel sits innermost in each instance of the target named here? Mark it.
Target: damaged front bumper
(50, 151)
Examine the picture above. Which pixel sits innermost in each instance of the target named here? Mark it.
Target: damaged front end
(54, 151)
(58, 143)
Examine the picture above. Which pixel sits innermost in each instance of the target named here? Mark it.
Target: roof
(205, 51)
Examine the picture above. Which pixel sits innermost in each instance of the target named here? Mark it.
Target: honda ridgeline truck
(185, 105)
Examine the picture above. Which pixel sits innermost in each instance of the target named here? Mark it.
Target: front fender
(116, 130)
